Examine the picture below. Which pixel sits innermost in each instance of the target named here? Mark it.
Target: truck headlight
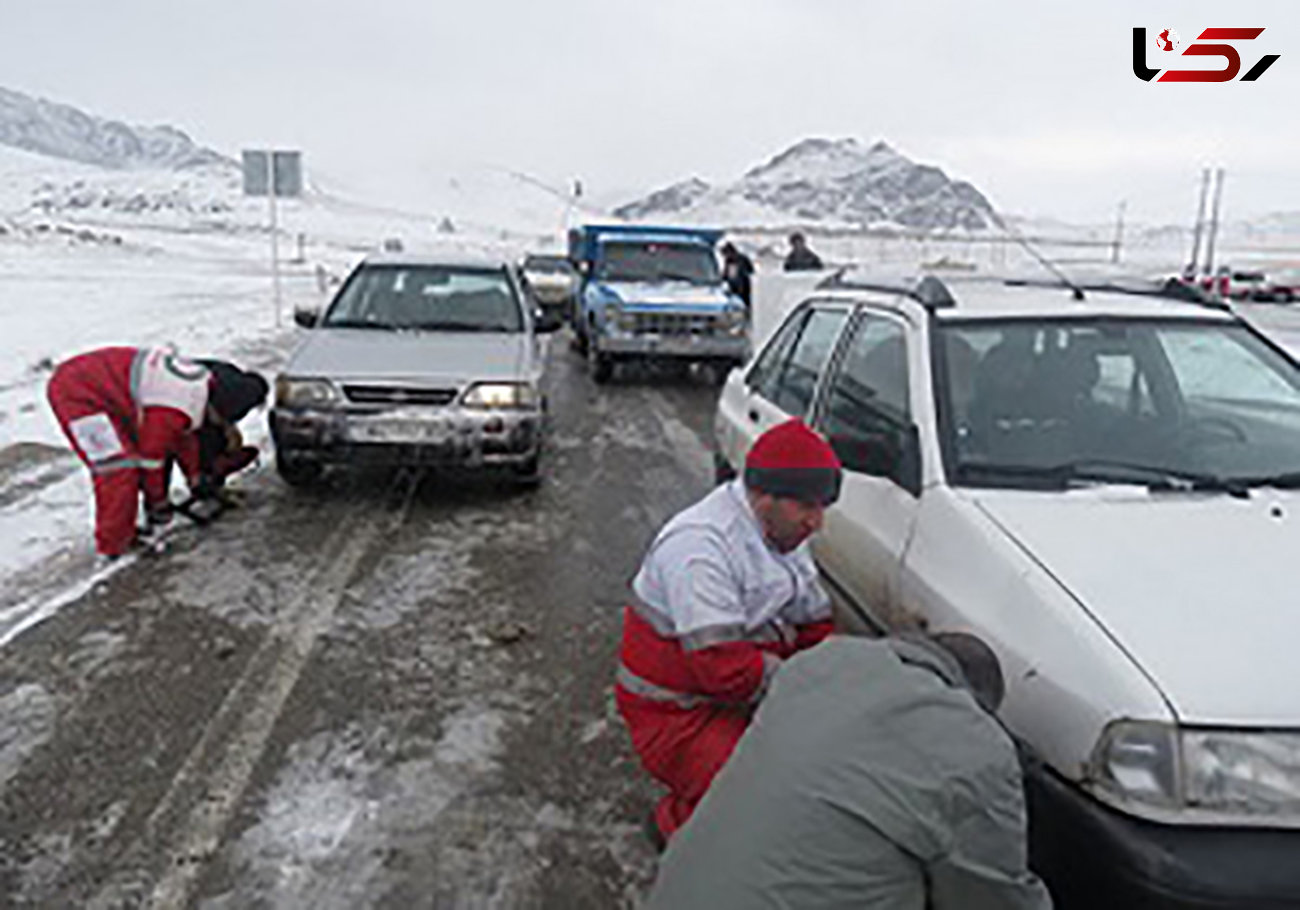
(612, 312)
(304, 393)
(1252, 776)
(1248, 773)
(501, 395)
(732, 320)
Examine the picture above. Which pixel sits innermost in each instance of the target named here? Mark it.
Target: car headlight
(304, 393)
(612, 313)
(1248, 773)
(1251, 776)
(733, 319)
(507, 395)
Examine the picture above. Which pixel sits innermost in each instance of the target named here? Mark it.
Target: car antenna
(1042, 260)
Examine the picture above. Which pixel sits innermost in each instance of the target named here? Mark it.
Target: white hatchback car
(1104, 489)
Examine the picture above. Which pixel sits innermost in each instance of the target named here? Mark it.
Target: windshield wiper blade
(678, 276)
(1287, 480)
(1102, 470)
(359, 324)
(451, 327)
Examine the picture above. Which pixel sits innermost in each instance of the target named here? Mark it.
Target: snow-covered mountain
(832, 182)
(63, 131)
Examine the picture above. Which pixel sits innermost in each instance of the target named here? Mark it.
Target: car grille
(673, 323)
(389, 394)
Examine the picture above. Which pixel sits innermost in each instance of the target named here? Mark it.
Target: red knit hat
(792, 461)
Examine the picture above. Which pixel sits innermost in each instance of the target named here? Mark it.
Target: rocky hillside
(62, 131)
(830, 182)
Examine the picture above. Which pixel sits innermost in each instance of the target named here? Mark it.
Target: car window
(1187, 396)
(867, 402)
(429, 298)
(650, 261)
(792, 382)
(763, 374)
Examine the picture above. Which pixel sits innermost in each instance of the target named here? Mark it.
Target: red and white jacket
(716, 609)
(154, 400)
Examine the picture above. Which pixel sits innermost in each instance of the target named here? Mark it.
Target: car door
(783, 381)
(865, 411)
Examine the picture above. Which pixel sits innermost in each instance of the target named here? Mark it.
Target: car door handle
(753, 416)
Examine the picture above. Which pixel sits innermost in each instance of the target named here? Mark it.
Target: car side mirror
(307, 316)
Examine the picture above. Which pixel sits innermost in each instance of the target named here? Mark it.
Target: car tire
(529, 474)
(297, 472)
(602, 366)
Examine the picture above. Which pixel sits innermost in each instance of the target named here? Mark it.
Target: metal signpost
(273, 174)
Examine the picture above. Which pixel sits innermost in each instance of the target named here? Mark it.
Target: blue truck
(654, 293)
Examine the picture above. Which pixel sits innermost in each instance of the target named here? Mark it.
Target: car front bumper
(721, 347)
(1093, 857)
(451, 437)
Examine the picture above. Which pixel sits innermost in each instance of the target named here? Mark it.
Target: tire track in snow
(187, 825)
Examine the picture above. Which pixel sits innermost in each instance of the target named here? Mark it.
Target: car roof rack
(929, 291)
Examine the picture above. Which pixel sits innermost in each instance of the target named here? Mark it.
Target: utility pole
(1119, 231)
(1214, 222)
(1190, 270)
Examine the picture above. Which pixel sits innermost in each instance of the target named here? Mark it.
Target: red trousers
(682, 748)
(117, 486)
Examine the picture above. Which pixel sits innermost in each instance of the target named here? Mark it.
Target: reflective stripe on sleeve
(643, 688)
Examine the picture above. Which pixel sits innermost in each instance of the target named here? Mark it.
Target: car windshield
(1163, 402)
(658, 262)
(426, 298)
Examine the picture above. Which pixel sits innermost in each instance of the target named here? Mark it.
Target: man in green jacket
(873, 777)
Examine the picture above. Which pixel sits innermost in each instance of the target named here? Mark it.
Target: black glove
(205, 487)
(158, 515)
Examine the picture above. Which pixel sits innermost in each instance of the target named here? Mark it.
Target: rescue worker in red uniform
(727, 592)
(128, 412)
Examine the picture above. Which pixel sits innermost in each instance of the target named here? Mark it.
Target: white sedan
(1104, 489)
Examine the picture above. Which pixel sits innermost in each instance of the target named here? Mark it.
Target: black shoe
(653, 834)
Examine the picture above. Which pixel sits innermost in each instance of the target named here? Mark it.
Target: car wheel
(602, 366)
(528, 474)
(297, 472)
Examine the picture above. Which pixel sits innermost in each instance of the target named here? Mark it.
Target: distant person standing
(738, 272)
(801, 258)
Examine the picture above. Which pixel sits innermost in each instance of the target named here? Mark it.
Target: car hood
(422, 357)
(1199, 589)
(666, 292)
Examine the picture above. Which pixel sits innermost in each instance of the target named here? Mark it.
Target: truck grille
(389, 394)
(674, 323)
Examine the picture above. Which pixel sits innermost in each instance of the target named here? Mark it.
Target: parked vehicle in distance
(1106, 490)
(654, 294)
(1247, 284)
(552, 281)
(415, 361)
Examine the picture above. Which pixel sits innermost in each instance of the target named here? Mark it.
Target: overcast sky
(1033, 102)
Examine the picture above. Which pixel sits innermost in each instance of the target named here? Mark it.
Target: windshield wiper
(359, 324)
(1103, 470)
(449, 326)
(1287, 480)
(679, 276)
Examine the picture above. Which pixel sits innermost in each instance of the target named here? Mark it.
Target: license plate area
(396, 429)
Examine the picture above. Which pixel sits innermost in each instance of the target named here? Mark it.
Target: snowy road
(392, 692)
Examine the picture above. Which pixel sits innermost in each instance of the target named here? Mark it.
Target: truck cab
(651, 293)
